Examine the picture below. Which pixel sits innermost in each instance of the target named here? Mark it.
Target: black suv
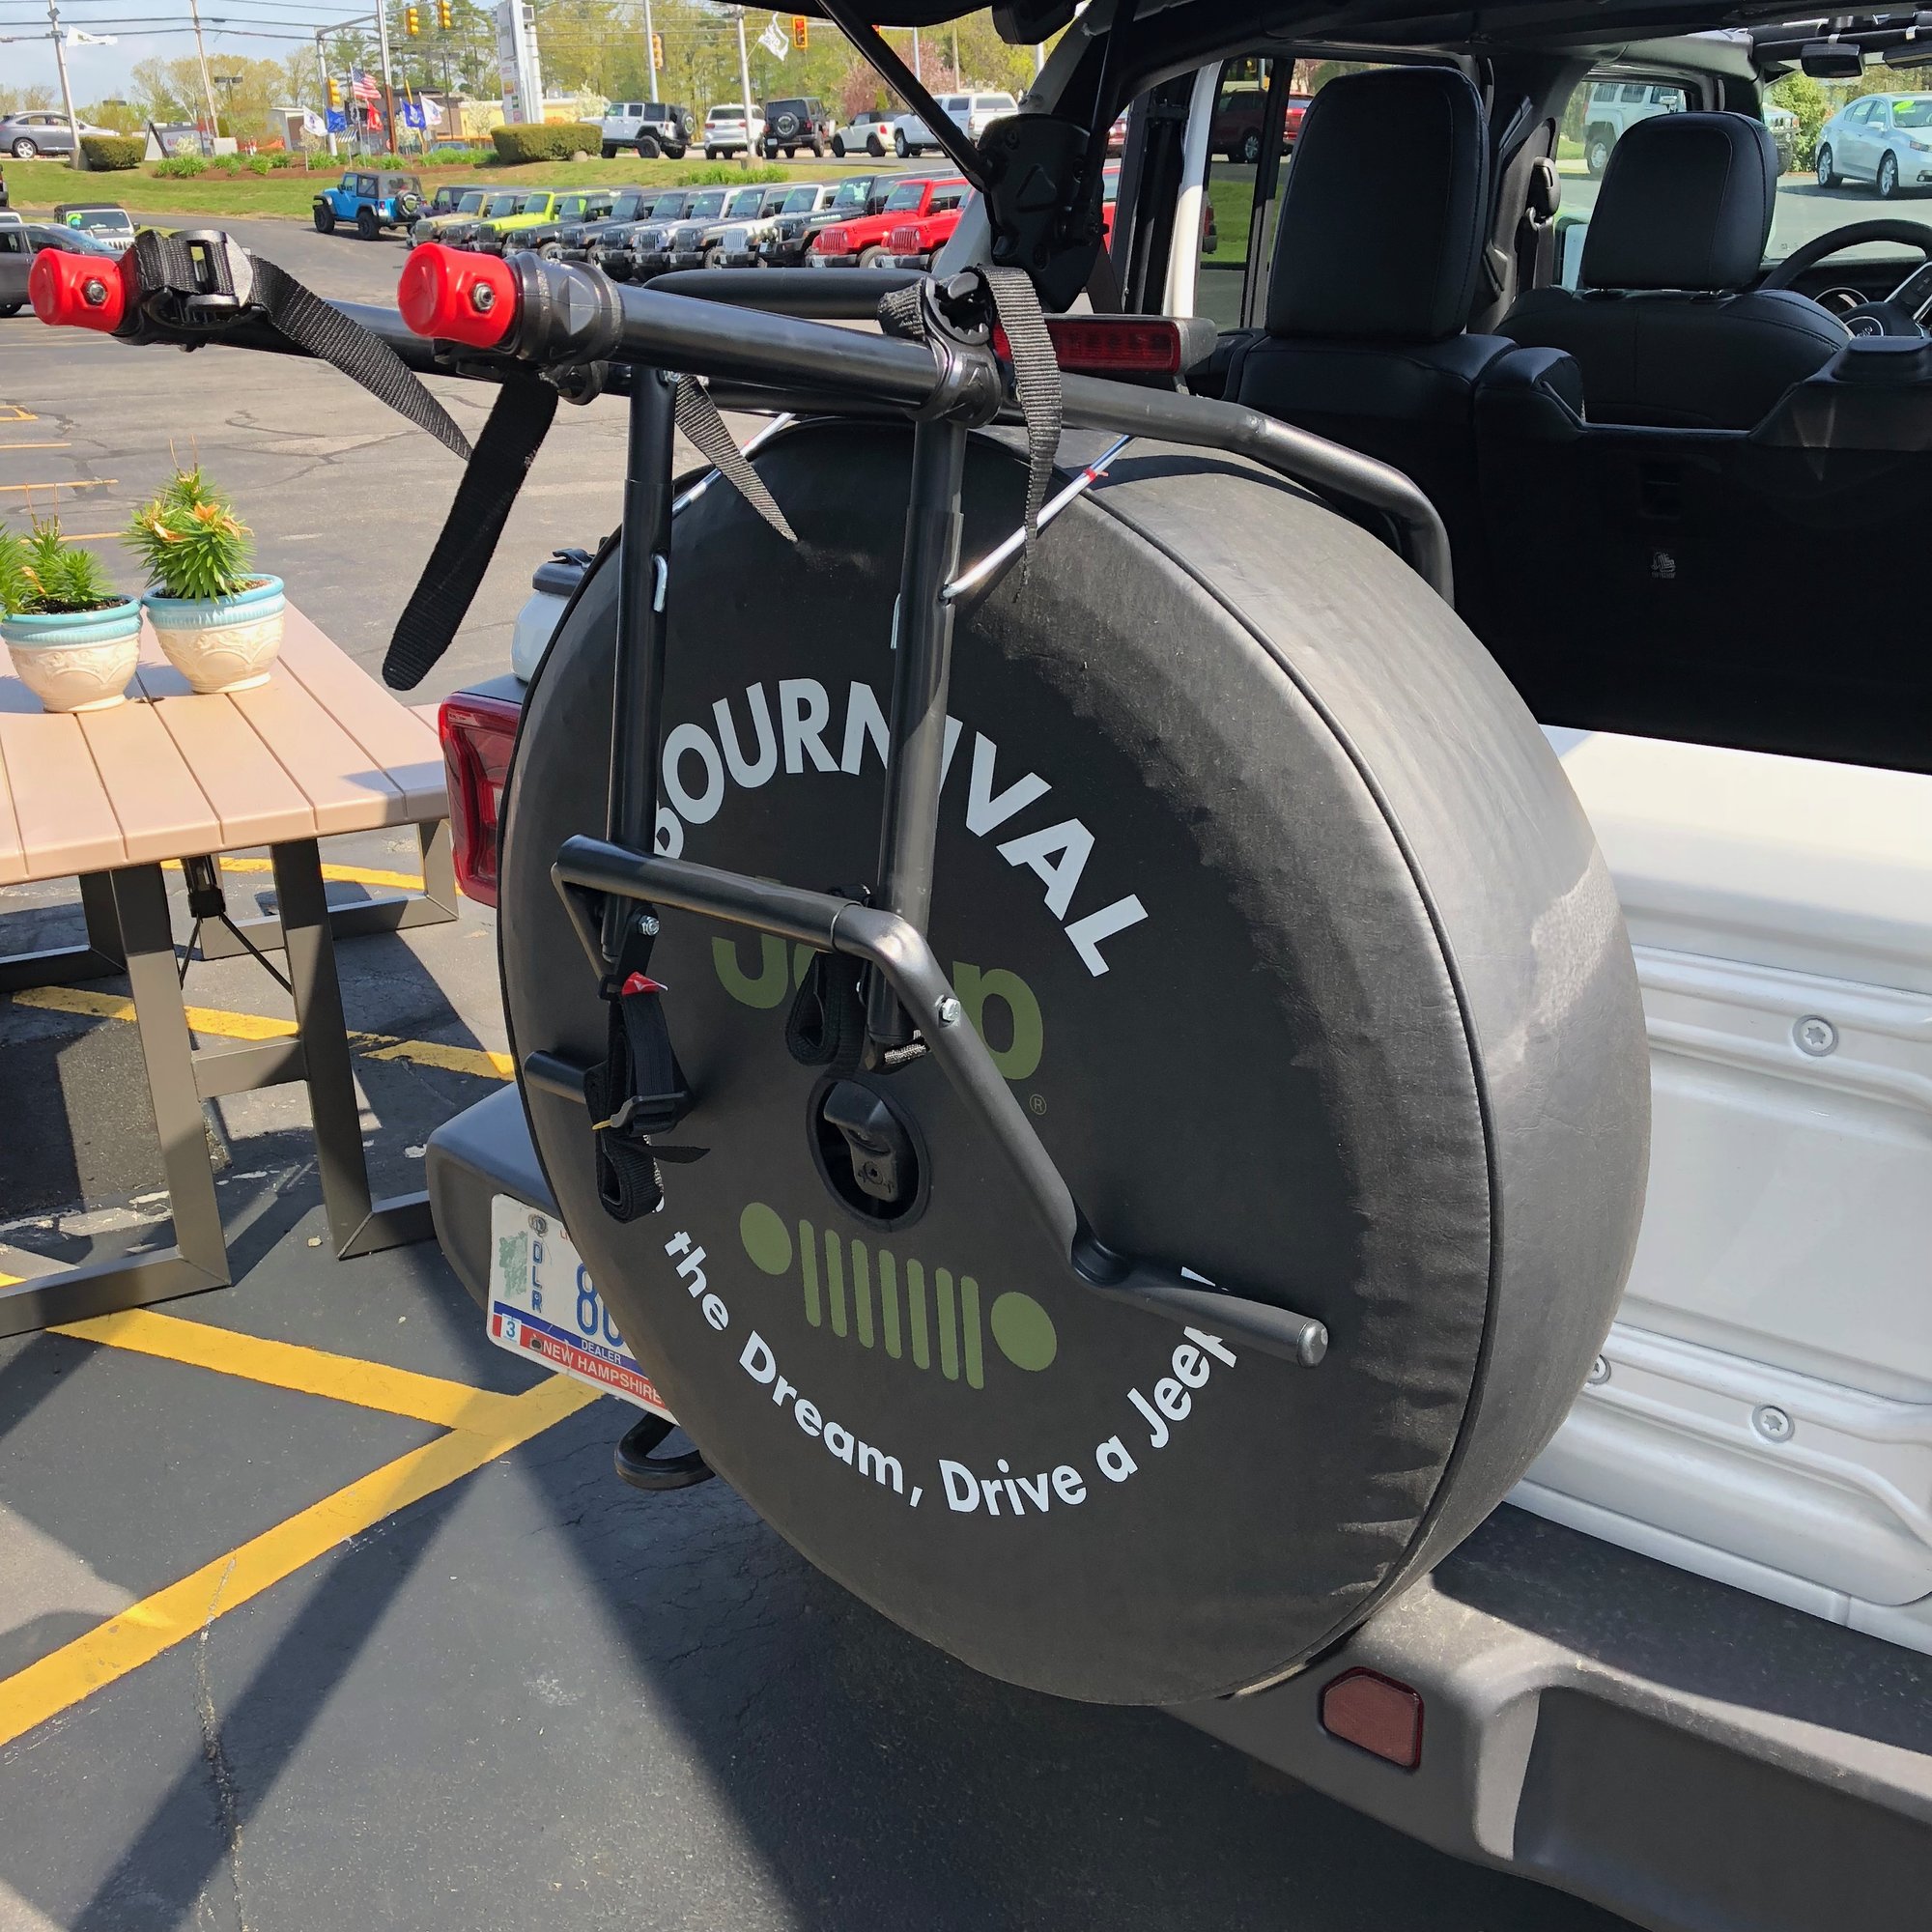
(792, 125)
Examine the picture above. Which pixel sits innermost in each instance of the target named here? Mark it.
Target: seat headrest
(1386, 209)
(1686, 202)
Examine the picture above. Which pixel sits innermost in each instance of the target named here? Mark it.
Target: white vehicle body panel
(1766, 1418)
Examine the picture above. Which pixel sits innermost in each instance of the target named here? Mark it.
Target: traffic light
(800, 31)
(411, 23)
(445, 19)
(657, 53)
(334, 92)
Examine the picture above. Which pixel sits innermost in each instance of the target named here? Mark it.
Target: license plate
(542, 1303)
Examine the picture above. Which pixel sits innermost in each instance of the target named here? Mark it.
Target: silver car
(1882, 138)
(26, 135)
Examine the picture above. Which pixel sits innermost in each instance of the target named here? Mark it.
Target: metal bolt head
(1600, 1372)
(1815, 1036)
(482, 297)
(949, 1012)
(93, 292)
(649, 926)
(1772, 1423)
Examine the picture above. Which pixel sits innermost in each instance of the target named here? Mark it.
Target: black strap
(698, 419)
(519, 421)
(826, 1026)
(638, 1091)
(1035, 380)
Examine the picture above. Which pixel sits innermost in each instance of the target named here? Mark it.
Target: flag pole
(745, 82)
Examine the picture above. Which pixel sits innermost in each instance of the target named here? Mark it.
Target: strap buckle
(200, 280)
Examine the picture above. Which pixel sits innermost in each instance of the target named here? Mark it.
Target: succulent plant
(190, 541)
(41, 574)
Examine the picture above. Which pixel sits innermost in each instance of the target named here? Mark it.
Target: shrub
(190, 541)
(179, 168)
(261, 164)
(111, 153)
(283, 157)
(41, 573)
(725, 174)
(546, 140)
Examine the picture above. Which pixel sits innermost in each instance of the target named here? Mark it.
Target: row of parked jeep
(632, 233)
(864, 221)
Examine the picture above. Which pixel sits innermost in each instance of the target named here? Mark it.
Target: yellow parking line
(307, 1370)
(12, 413)
(348, 875)
(480, 1062)
(145, 1629)
(35, 445)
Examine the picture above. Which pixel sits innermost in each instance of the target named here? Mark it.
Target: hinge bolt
(93, 293)
(482, 297)
(1772, 1423)
(1600, 1372)
(948, 1010)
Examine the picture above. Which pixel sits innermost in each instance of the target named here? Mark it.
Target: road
(533, 1696)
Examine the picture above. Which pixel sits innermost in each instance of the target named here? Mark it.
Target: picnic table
(109, 797)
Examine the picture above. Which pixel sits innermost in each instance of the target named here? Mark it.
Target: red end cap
(81, 291)
(452, 296)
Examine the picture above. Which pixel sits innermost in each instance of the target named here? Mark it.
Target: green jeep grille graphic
(870, 1296)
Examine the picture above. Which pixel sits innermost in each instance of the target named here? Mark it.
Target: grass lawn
(36, 185)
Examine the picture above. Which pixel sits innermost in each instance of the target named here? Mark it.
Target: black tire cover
(1291, 936)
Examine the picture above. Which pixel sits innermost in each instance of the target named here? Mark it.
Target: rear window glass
(100, 217)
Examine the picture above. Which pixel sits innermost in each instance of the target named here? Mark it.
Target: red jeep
(865, 244)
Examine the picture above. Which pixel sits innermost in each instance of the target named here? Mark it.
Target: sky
(99, 73)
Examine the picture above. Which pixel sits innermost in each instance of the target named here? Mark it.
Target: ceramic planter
(77, 661)
(224, 643)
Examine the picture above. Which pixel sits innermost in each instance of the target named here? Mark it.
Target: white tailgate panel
(1766, 1416)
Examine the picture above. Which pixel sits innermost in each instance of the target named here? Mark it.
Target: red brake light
(478, 735)
(1377, 1714)
(1109, 345)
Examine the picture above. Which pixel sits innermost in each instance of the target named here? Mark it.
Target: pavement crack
(216, 1756)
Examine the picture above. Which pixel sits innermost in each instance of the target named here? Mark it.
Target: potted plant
(74, 640)
(219, 623)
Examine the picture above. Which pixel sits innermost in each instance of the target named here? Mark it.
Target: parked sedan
(21, 240)
(1882, 138)
(26, 135)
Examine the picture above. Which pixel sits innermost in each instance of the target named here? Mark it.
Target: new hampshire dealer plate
(542, 1303)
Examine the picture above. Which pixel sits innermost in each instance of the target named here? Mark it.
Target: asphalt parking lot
(318, 1610)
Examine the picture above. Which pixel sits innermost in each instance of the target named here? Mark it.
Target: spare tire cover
(1279, 916)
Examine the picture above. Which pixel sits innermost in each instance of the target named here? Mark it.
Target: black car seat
(1383, 225)
(1667, 330)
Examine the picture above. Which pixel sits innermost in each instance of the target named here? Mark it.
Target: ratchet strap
(698, 419)
(639, 1091)
(1036, 368)
(519, 421)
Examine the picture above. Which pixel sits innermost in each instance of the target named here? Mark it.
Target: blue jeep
(373, 202)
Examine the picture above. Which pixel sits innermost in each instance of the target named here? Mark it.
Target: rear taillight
(478, 735)
(1109, 345)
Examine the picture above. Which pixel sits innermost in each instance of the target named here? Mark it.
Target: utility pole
(958, 78)
(67, 92)
(388, 81)
(745, 81)
(650, 53)
(207, 85)
(917, 75)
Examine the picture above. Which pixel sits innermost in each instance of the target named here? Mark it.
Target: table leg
(358, 1225)
(67, 965)
(390, 912)
(198, 1259)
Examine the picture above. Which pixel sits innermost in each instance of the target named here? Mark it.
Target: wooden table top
(321, 747)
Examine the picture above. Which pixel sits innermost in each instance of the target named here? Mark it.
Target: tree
(1807, 98)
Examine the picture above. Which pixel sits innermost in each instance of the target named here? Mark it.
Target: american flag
(365, 89)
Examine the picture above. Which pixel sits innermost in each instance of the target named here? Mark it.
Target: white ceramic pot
(77, 661)
(226, 643)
